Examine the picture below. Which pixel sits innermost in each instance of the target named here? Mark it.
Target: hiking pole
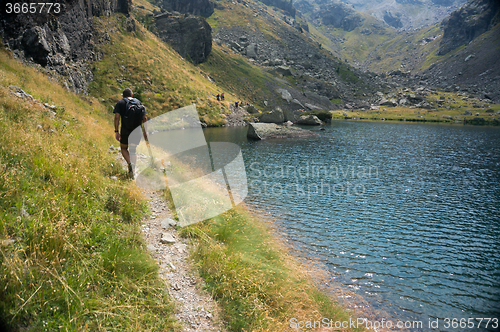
(144, 133)
(153, 166)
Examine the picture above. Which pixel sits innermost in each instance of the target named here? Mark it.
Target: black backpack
(134, 112)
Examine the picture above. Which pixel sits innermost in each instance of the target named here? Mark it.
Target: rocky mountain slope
(468, 51)
(468, 23)
(400, 14)
(459, 54)
(280, 45)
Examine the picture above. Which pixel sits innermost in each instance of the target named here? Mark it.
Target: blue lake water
(406, 215)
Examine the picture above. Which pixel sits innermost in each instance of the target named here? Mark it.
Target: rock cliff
(190, 36)
(62, 42)
(334, 13)
(463, 25)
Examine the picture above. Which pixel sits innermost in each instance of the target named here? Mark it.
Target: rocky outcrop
(392, 20)
(261, 131)
(339, 15)
(274, 116)
(203, 8)
(190, 36)
(470, 21)
(473, 68)
(309, 120)
(64, 42)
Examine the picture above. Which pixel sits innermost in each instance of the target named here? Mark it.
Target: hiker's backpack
(134, 112)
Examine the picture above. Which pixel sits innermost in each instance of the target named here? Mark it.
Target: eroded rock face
(463, 25)
(190, 36)
(62, 41)
(203, 8)
(339, 15)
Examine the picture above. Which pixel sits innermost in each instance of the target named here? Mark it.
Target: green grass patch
(233, 73)
(159, 77)
(447, 107)
(78, 261)
(259, 285)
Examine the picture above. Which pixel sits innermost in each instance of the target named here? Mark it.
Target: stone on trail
(167, 238)
(168, 222)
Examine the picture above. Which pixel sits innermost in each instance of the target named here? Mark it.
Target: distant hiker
(236, 104)
(132, 114)
(222, 96)
(218, 97)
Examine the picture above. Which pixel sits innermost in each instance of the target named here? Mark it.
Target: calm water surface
(407, 215)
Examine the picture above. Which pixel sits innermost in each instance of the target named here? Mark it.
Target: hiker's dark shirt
(120, 108)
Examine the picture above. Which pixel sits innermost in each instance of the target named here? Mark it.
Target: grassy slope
(354, 46)
(160, 78)
(258, 284)
(383, 49)
(358, 46)
(79, 261)
(165, 81)
(407, 49)
(232, 71)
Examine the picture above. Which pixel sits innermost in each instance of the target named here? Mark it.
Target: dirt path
(196, 309)
(236, 117)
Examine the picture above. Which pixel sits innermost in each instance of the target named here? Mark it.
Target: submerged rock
(260, 131)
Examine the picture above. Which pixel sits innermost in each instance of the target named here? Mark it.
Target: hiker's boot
(131, 170)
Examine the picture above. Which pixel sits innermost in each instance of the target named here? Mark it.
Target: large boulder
(284, 70)
(290, 115)
(274, 116)
(260, 131)
(252, 110)
(390, 102)
(190, 36)
(309, 120)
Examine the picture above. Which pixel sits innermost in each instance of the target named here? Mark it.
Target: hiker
(222, 96)
(236, 104)
(218, 97)
(132, 114)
